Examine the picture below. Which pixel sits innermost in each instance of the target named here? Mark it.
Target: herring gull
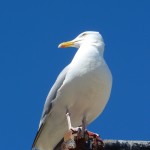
(82, 89)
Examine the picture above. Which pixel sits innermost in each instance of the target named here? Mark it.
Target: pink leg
(83, 126)
(69, 123)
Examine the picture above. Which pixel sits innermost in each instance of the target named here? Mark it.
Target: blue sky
(30, 61)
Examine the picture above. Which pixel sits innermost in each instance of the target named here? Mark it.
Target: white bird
(82, 89)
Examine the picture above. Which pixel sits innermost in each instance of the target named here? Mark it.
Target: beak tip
(66, 44)
(60, 46)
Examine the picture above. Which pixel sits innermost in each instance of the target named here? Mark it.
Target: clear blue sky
(30, 61)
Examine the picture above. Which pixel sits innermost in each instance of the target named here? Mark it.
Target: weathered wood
(120, 145)
(126, 145)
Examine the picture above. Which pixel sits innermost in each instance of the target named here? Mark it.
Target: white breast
(87, 86)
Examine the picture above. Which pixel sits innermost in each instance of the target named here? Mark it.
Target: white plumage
(82, 88)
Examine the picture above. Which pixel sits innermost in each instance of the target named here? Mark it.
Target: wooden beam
(126, 145)
(121, 145)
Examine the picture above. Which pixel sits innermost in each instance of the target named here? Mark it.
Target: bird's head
(88, 37)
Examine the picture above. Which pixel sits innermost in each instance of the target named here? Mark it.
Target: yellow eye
(84, 34)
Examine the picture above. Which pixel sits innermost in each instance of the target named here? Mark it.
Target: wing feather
(49, 100)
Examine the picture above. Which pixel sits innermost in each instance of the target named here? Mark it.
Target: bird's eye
(84, 34)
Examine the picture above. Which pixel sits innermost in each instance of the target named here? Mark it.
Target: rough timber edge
(121, 145)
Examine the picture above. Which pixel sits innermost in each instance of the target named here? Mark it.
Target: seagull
(82, 89)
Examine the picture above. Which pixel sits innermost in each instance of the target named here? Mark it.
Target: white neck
(88, 53)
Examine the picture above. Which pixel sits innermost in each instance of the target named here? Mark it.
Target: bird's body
(84, 91)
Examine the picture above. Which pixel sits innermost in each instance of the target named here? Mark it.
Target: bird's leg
(80, 137)
(83, 126)
(69, 142)
(68, 120)
(69, 123)
(79, 130)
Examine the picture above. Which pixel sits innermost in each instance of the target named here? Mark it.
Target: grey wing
(52, 94)
(48, 103)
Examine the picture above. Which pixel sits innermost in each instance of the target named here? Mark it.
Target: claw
(79, 137)
(76, 129)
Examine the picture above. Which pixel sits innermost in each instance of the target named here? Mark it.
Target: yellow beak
(66, 44)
